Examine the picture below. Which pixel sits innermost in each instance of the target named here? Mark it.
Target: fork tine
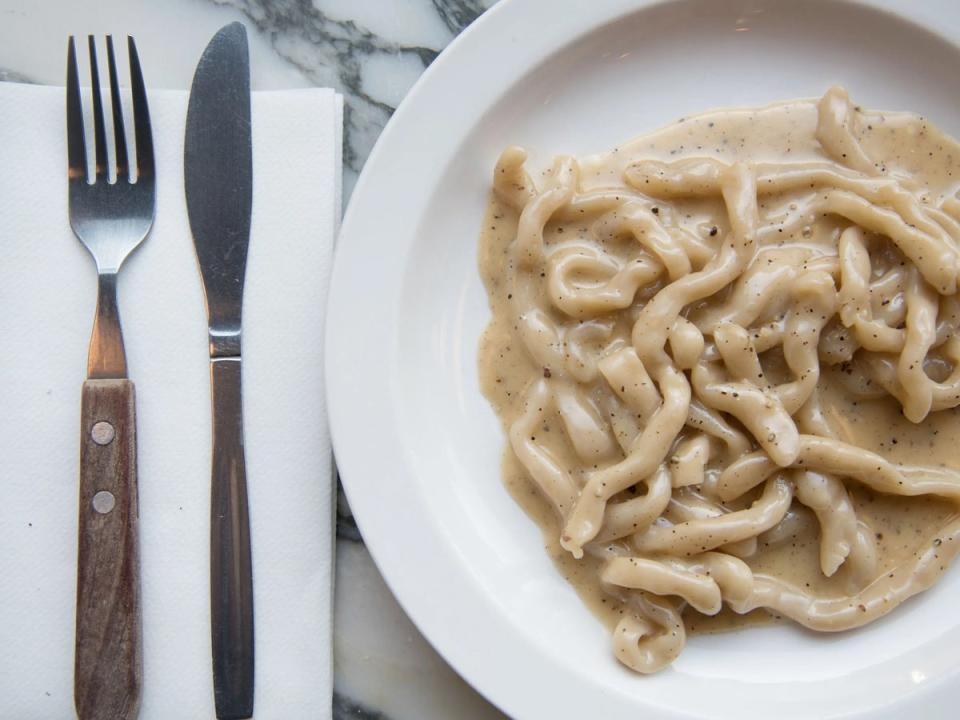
(99, 129)
(116, 104)
(141, 116)
(76, 149)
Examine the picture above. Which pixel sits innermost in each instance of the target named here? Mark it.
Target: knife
(218, 179)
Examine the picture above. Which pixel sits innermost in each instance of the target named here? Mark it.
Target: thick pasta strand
(665, 578)
(637, 219)
(920, 336)
(760, 285)
(539, 210)
(703, 581)
(697, 536)
(552, 479)
(585, 427)
(649, 451)
(631, 516)
(690, 460)
(739, 354)
(580, 342)
(835, 134)
(814, 303)
(630, 381)
(945, 395)
(833, 456)
(657, 316)
(827, 497)
(759, 410)
(651, 635)
(614, 293)
(511, 182)
(689, 504)
(714, 424)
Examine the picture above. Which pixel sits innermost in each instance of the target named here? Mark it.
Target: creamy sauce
(899, 145)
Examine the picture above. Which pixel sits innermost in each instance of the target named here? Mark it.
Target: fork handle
(108, 666)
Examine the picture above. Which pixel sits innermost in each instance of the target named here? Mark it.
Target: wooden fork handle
(108, 666)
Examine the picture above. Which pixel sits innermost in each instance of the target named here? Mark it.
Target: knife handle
(108, 665)
(231, 577)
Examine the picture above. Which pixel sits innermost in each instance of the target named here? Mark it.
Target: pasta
(726, 360)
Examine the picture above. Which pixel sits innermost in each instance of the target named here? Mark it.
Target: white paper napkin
(47, 299)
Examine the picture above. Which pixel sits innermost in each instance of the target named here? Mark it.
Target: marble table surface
(372, 51)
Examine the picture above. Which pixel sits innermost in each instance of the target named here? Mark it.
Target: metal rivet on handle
(104, 501)
(102, 433)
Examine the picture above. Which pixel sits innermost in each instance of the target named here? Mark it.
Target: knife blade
(218, 180)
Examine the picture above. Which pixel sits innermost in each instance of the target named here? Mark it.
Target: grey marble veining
(337, 51)
(346, 709)
(14, 76)
(347, 530)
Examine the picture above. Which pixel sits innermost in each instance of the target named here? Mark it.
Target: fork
(111, 214)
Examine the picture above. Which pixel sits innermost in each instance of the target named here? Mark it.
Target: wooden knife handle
(108, 664)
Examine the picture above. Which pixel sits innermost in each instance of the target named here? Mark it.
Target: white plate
(418, 446)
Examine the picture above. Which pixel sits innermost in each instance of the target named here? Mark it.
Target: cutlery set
(111, 212)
